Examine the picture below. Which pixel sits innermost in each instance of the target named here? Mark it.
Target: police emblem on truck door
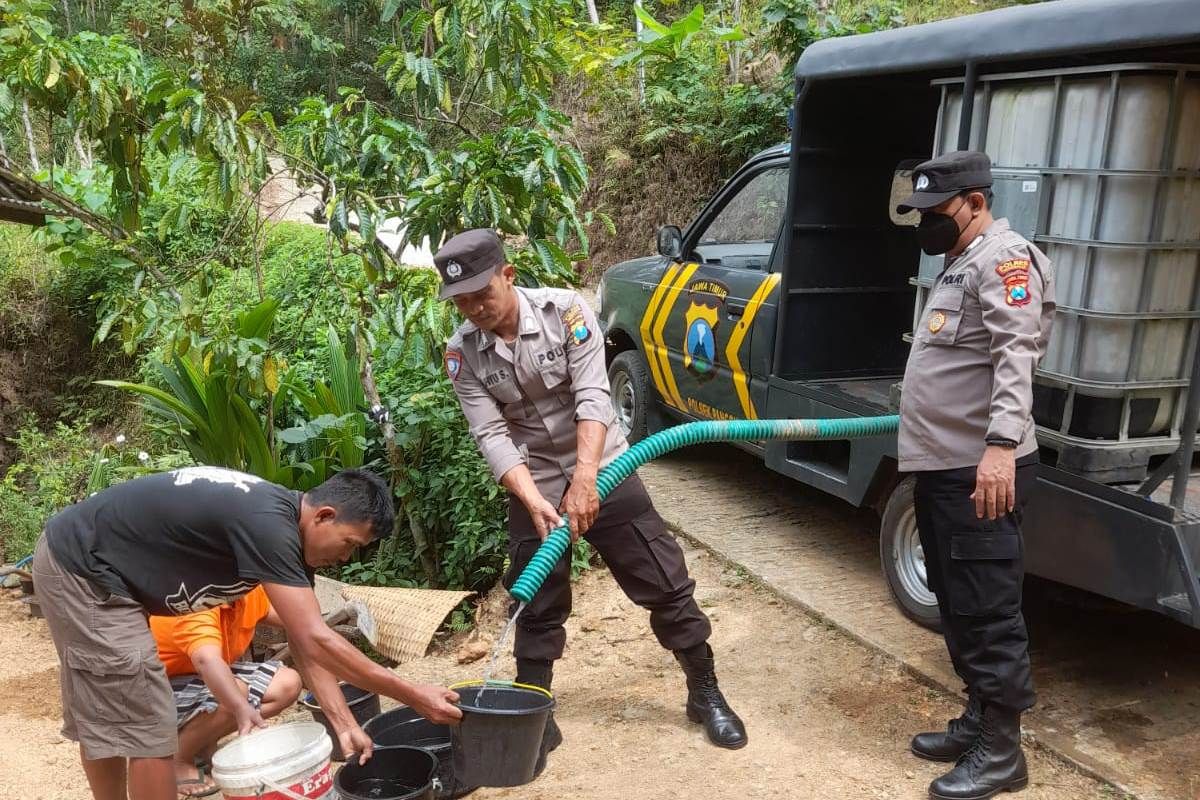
(706, 297)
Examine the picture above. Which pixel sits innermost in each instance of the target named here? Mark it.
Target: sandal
(205, 788)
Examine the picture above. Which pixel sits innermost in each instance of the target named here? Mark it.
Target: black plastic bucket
(403, 727)
(393, 773)
(498, 741)
(363, 705)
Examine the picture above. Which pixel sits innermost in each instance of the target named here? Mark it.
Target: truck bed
(863, 396)
(1162, 495)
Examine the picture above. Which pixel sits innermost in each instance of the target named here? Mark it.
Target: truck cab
(794, 292)
(698, 319)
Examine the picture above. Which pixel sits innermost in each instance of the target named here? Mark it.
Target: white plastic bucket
(287, 762)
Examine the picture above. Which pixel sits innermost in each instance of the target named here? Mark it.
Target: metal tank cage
(1128, 399)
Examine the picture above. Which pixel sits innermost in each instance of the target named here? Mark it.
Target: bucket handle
(275, 787)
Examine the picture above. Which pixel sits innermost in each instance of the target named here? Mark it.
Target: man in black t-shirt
(179, 542)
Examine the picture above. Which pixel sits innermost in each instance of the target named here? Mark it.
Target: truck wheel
(631, 394)
(903, 559)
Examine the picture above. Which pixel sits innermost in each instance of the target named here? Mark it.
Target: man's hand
(355, 740)
(545, 516)
(581, 504)
(248, 718)
(995, 483)
(434, 703)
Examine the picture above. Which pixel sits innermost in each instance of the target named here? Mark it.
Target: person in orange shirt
(217, 692)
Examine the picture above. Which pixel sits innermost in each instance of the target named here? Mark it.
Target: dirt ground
(827, 718)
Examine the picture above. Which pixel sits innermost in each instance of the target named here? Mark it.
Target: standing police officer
(967, 432)
(528, 369)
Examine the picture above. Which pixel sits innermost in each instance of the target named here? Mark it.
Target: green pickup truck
(794, 292)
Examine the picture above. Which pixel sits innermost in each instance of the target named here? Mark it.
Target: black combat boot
(705, 703)
(994, 763)
(957, 739)
(541, 673)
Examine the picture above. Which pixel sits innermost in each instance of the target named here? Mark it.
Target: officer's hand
(581, 505)
(995, 483)
(545, 516)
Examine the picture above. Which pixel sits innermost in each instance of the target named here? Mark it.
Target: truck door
(710, 304)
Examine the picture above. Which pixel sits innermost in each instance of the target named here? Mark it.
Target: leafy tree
(106, 90)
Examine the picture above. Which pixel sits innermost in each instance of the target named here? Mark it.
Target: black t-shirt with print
(183, 541)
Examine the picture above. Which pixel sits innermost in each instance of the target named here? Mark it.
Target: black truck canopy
(1020, 33)
(865, 104)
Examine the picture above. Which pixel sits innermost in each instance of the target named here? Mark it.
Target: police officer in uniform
(967, 433)
(528, 368)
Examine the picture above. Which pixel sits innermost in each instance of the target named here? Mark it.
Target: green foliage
(466, 137)
(795, 24)
(220, 401)
(332, 432)
(25, 277)
(60, 467)
(107, 91)
(690, 98)
(671, 42)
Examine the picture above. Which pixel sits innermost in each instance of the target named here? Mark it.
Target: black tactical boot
(957, 739)
(541, 673)
(705, 703)
(994, 763)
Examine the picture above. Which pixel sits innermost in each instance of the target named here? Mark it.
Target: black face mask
(938, 233)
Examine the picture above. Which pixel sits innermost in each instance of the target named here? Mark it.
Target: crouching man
(217, 690)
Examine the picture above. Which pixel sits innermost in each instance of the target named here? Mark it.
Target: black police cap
(937, 180)
(468, 261)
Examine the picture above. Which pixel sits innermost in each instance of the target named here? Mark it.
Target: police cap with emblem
(937, 180)
(468, 261)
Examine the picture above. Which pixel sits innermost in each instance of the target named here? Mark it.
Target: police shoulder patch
(453, 362)
(1015, 274)
(575, 325)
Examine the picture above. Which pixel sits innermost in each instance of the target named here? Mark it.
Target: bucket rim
(504, 712)
(430, 780)
(404, 719)
(313, 705)
(501, 685)
(431, 757)
(223, 759)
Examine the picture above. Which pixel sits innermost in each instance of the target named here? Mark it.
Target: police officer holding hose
(967, 433)
(528, 368)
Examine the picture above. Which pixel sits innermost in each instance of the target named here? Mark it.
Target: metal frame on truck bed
(814, 322)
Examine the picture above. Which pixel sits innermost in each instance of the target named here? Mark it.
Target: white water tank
(1114, 154)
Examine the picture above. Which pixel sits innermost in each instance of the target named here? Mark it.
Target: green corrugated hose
(663, 442)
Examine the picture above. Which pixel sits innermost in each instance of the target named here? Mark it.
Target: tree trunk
(396, 459)
(593, 15)
(3, 149)
(641, 70)
(67, 15)
(735, 50)
(30, 142)
(85, 155)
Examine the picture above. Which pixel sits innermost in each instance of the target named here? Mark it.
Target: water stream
(499, 648)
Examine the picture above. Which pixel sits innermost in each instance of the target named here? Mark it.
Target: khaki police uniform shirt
(522, 400)
(969, 376)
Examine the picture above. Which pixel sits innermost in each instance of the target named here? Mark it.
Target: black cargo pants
(643, 557)
(976, 569)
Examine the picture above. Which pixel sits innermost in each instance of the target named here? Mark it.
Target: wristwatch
(1007, 444)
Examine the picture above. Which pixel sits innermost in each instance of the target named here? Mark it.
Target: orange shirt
(230, 627)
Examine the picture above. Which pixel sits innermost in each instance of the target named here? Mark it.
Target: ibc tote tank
(1113, 156)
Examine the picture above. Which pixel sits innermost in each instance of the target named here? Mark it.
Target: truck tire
(903, 559)
(632, 395)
